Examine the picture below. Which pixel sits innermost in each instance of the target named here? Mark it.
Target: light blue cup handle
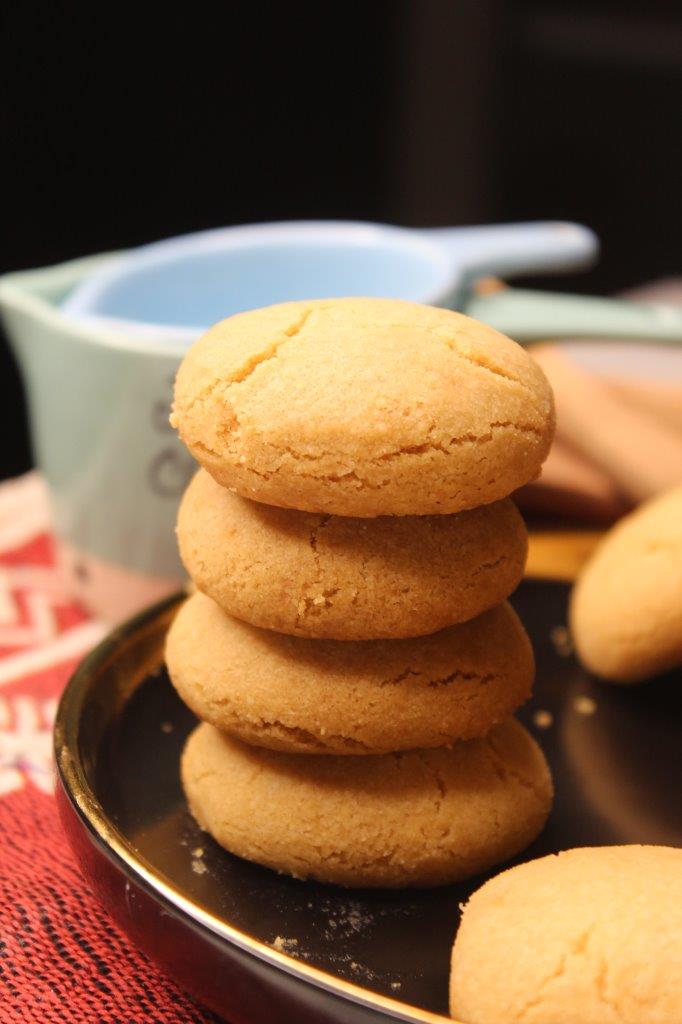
(512, 249)
(530, 315)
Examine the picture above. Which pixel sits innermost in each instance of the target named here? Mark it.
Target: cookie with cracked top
(348, 697)
(348, 579)
(363, 407)
(421, 818)
(591, 934)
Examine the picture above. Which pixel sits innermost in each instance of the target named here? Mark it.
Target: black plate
(213, 919)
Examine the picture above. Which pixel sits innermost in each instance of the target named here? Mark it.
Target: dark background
(122, 126)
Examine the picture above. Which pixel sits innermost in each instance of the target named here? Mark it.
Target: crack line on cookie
(352, 475)
(487, 677)
(271, 351)
(505, 771)
(320, 600)
(322, 744)
(496, 372)
(247, 368)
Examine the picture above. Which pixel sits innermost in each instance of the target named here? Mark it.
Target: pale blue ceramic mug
(99, 340)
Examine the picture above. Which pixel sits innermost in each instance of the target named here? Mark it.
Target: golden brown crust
(410, 819)
(348, 697)
(626, 608)
(363, 407)
(591, 935)
(348, 579)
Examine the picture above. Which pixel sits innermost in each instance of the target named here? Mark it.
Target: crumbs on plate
(543, 719)
(283, 944)
(561, 639)
(584, 705)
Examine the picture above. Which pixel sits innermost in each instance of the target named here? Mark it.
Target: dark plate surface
(613, 751)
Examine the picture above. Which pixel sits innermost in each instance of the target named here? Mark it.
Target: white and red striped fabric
(61, 957)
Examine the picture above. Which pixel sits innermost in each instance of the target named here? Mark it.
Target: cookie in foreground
(420, 818)
(348, 697)
(591, 935)
(348, 579)
(363, 407)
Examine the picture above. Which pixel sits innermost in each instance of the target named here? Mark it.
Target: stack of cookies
(349, 648)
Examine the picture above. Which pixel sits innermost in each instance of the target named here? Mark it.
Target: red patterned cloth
(62, 959)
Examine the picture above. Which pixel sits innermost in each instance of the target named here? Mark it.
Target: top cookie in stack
(363, 407)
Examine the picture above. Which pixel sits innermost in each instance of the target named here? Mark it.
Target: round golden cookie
(592, 935)
(363, 407)
(626, 608)
(348, 697)
(348, 579)
(425, 817)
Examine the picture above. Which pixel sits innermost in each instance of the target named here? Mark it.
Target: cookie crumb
(365, 972)
(395, 985)
(543, 719)
(283, 944)
(561, 638)
(354, 920)
(585, 705)
(198, 851)
(166, 727)
(198, 866)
